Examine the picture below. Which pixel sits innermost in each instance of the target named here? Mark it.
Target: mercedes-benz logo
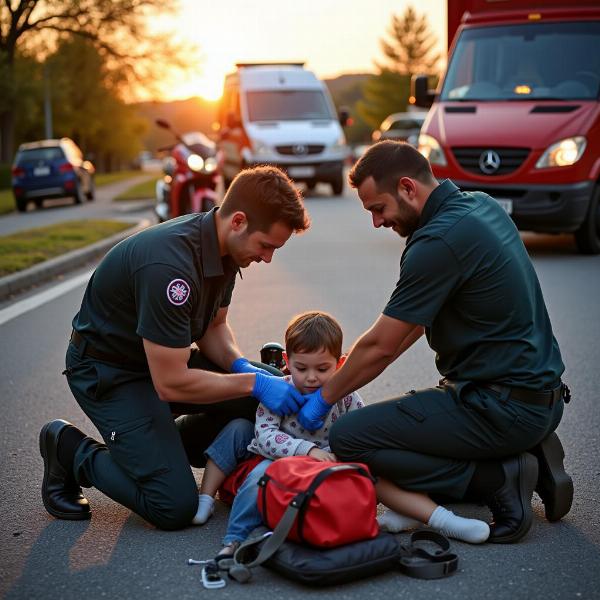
(300, 149)
(489, 162)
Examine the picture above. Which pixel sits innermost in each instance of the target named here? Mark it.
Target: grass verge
(140, 191)
(106, 178)
(7, 201)
(26, 248)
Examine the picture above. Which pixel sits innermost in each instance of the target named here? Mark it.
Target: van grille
(510, 159)
(300, 149)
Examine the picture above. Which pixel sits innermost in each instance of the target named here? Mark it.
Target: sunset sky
(331, 36)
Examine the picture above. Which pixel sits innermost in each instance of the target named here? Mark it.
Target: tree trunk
(7, 135)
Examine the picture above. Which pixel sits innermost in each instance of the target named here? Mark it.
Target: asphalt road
(344, 266)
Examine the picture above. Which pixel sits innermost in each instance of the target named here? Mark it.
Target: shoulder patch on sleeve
(178, 291)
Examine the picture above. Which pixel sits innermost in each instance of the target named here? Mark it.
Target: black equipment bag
(426, 556)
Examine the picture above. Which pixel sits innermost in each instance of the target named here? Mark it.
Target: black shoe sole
(78, 516)
(528, 471)
(554, 486)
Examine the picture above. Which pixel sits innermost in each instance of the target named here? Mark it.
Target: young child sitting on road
(313, 343)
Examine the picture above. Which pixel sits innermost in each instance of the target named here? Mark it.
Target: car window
(37, 154)
(406, 124)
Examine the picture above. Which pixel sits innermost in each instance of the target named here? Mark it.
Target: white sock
(206, 507)
(393, 522)
(451, 525)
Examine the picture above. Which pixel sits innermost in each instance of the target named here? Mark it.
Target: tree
(87, 106)
(383, 94)
(411, 48)
(117, 29)
(409, 51)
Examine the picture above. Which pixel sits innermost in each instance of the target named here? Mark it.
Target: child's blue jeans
(230, 447)
(245, 515)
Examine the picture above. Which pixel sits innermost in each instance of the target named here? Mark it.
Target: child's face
(310, 370)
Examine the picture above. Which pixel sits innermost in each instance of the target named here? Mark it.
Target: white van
(281, 114)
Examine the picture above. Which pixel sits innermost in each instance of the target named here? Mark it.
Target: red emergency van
(517, 112)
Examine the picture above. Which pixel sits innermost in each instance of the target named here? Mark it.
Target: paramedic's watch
(312, 414)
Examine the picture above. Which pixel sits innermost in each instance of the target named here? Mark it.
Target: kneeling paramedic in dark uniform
(131, 367)
(486, 431)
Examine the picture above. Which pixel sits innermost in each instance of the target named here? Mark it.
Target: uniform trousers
(148, 444)
(430, 440)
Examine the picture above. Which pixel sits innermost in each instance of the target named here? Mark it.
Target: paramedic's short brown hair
(266, 195)
(313, 331)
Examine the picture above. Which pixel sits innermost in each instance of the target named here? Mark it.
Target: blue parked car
(51, 169)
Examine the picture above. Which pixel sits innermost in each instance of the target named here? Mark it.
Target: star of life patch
(178, 291)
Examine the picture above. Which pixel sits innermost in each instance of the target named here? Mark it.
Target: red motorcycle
(192, 172)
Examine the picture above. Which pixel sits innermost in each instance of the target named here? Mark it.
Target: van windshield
(288, 105)
(554, 61)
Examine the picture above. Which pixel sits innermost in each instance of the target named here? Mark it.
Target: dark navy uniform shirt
(466, 276)
(164, 284)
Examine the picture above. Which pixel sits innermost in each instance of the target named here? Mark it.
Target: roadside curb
(44, 271)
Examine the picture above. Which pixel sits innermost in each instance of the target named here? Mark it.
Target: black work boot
(61, 494)
(511, 503)
(554, 486)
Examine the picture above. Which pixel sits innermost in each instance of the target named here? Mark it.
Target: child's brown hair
(313, 331)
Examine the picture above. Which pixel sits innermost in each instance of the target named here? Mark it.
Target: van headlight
(195, 162)
(430, 148)
(261, 149)
(563, 153)
(340, 143)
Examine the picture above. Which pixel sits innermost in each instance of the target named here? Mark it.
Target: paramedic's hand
(277, 394)
(314, 411)
(322, 455)
(243, 365)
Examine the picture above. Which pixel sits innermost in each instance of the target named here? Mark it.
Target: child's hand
(322, 455)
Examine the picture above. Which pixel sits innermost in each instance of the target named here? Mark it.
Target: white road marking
(17, 309)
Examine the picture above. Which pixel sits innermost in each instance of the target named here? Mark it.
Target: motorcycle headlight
(430, 148)
(210, 164)
(195, 162)
(563, 153)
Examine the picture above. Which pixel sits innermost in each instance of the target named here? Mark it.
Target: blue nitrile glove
(277, 394)
(243, 365)
(315, 409)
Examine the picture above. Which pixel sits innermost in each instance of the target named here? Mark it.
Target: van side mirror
(420, 93)
(232, 121)
(344, 116)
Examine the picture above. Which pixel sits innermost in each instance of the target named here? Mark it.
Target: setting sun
(206, 85)
(331, 38)
(211, 89)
